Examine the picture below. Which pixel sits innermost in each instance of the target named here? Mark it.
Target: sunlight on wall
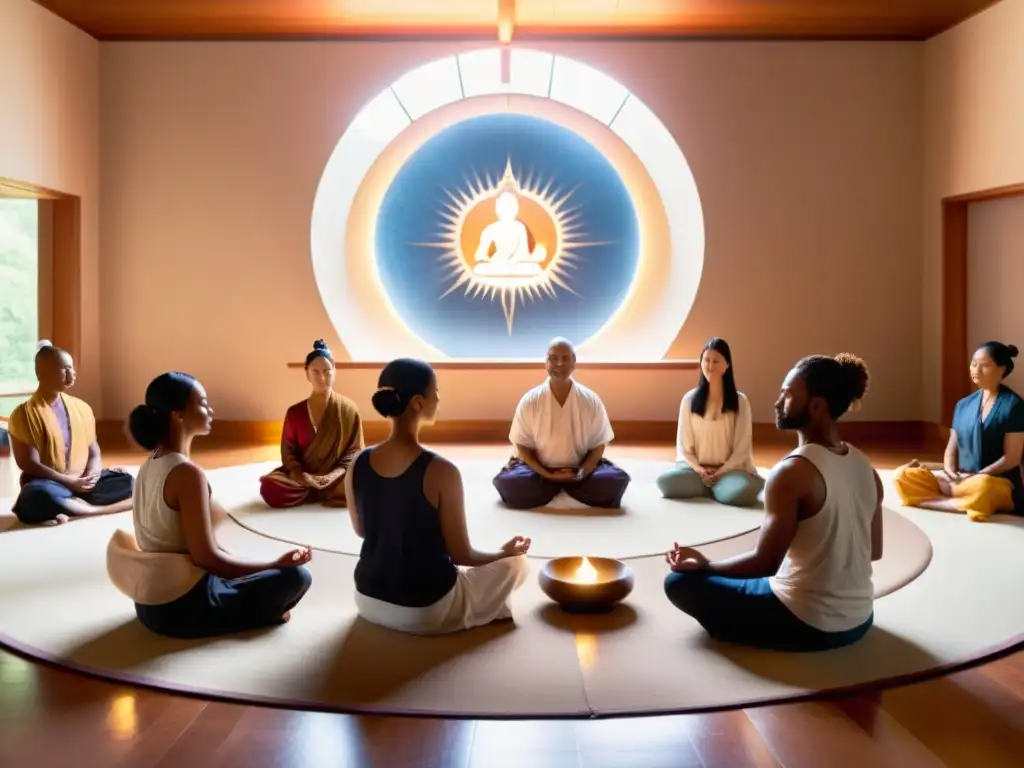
(571, 94)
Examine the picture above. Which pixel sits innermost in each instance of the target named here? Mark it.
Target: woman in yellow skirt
(981, 472)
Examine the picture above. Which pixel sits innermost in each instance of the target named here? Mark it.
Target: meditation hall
(511, 383)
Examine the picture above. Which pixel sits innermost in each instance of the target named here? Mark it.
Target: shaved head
(55, 370)
(561, 359)
(562, 343)
(47, 351)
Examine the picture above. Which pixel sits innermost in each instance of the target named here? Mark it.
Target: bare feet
(58, 520)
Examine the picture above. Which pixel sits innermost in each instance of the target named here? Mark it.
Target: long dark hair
(730, 397)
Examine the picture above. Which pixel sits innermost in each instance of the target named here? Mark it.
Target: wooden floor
(973, 719)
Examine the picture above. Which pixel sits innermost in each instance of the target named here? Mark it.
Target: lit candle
(586, 573)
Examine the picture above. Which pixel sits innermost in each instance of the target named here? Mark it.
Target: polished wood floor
(971, 719)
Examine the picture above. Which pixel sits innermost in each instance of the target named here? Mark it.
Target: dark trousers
(746, 611)
(216, 606)
(42, 500)
(522, 488)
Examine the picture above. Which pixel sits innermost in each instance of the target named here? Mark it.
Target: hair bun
(43, 344)
(1012, 350)
(388, 403)
(857, 377)
(144, 426)
(320, 344)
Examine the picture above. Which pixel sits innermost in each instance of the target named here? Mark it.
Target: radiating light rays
(535, 282)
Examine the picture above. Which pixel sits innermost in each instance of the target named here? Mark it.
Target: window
(19, 299)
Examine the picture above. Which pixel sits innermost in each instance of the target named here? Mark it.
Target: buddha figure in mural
(504, 248)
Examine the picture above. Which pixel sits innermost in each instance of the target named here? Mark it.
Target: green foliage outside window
(19, 296)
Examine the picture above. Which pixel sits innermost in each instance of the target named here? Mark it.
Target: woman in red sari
(321, 436)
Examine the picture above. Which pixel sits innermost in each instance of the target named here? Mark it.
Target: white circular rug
(931, 614)
(647, 524)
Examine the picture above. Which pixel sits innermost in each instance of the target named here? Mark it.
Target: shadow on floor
(620, 617)
(372, 662)
(891, 655)
(130, 644)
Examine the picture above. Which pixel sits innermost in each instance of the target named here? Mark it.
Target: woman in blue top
(981, 472)
(407, 504)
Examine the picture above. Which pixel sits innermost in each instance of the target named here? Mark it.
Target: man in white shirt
(560, 430)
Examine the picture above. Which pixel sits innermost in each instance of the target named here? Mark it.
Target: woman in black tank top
(407, 505)
(403, 560)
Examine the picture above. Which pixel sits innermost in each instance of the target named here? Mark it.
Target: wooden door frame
(956, 382)
(63, 304)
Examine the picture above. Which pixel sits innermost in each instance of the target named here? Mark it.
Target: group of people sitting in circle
(805, 586)
(560, 431)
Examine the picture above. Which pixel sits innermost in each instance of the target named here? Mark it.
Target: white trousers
(480, 595)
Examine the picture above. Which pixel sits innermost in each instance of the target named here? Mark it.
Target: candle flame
(586, 573)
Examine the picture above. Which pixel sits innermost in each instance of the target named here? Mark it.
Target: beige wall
(974, 140)
(995, 274)
(807, 157)
(49, 136)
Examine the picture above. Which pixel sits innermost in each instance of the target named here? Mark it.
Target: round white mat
(646, 525)
(645, 657)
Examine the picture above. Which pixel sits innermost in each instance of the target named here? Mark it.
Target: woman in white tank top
(807, 584)
(183, 583)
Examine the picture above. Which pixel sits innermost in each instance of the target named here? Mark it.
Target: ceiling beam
(506, 28)
(506, 21)
(536, 20)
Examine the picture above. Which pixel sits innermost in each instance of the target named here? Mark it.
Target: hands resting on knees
(517, 545)
(685, 559)
(294, 558)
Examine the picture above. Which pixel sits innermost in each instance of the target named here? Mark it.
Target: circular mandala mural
(503, 231)
(474, 211)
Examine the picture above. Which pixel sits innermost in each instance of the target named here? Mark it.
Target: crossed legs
(47, 502)
(979, 496)
(747, 612)
(522, 488)
(736, 488)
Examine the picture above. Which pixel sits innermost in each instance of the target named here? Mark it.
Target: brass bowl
(559, 581)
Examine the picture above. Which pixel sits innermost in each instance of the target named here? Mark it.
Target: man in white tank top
(807, 585)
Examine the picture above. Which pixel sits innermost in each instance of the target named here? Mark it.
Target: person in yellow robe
(53, 439)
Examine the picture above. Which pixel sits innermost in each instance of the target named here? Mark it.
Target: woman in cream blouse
(714, 442)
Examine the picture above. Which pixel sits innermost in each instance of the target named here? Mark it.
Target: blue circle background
(462, 325)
